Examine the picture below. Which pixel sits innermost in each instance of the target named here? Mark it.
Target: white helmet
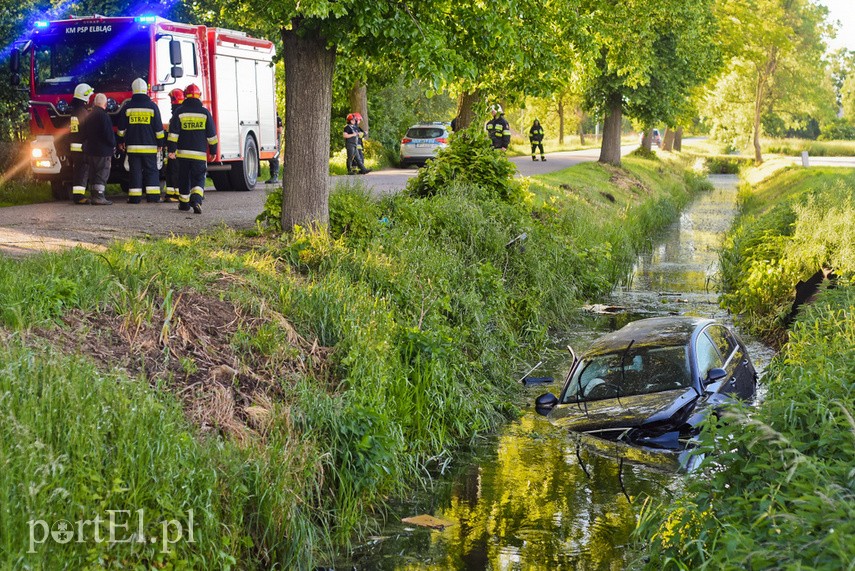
(83, 91)
(496, 108)
(139, 86)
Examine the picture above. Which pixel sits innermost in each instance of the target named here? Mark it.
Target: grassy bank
(780, 493)
(282, 387)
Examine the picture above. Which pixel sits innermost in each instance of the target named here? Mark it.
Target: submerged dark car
(653, 381)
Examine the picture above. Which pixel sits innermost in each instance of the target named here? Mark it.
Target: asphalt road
(60, 225)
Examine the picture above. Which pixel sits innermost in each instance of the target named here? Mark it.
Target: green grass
(795, 147)
(790, 226)
(417, 315)
(17, 193)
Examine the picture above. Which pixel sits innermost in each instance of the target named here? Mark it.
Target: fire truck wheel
(220, 180)
(61, 190)
(244, 174)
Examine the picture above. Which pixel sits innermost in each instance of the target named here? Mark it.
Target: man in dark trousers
(98, 145)
(351, 145)
(535, 137)
(274, 161)
(79, 166)
(498, 128)
(141, 136)
(192, 140)
(176, 97)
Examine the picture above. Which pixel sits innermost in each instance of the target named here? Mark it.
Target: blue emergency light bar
(42, 24)
(145, 19)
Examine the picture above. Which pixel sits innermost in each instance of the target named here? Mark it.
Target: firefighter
(176, 97)
(351, 145)
(274, 160)
(535, 137)
(79, 165)
(359, 146)
(192, 140)
(141, 136)
(498, 128)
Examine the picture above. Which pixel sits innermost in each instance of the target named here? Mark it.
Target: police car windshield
(106, 56)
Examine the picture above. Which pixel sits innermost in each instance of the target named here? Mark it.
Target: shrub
(470, 161)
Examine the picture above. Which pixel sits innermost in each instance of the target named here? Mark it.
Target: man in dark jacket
(192, 140)
(98, 145)
(498, 129)
(535, 137)
(79, 166)
(355, 165)
(141, 135)
(176, 97)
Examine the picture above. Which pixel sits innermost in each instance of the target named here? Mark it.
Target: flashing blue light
(42, 24)
(145, 19)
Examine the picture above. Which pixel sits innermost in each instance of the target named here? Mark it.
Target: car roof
(652, 332)
(434, 124)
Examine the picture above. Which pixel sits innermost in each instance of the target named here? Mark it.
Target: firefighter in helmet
(535, 137)
(79, 167)
(192, 140)
(359, 146)
(176, 97)
(351, 144)
(140, 131)
(498, 128)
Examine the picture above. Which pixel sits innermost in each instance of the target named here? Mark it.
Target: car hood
(627, 412)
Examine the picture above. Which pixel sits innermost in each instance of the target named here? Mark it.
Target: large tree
(775, 65)
(648, 56)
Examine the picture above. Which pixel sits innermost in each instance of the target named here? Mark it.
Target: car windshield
(638, 371)
(108, 57)
(424, 132)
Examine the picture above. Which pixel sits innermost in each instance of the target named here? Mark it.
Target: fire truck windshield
(107, 57)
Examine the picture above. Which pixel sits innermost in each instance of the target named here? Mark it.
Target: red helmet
(176, 96)
(358, 117)
(192, 90)
(350, 117)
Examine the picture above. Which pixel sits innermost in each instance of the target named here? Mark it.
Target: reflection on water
(537, 497)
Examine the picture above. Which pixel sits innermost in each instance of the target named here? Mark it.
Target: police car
(423, 141)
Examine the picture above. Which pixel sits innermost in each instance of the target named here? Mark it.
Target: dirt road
(60, 225)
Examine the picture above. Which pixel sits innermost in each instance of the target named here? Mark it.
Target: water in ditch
(534, 496)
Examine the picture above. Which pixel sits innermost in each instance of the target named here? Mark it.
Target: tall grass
(790, 226)
(427, 307)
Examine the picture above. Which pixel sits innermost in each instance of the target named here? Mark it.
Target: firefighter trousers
(79, 176)
(143, 174)
(191, 180)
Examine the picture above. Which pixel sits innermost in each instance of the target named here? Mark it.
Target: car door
(740, 374)
(707, 357)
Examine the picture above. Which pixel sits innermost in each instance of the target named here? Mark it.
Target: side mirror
(175, 52)
(714, 375)
(15, 61)
(545, 403)
(177, 71)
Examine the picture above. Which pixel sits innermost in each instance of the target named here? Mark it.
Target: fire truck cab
(233, 70)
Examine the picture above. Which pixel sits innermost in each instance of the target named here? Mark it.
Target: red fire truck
(233, 70)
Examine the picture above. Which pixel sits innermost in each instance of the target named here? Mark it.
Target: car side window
(708, 356)
(723, 340)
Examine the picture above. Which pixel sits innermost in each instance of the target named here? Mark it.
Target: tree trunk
(678, 140)
(610, 149)
(580, 119)
(764, 78)
(358, 99)
(668, 140)
(647, 140)
(466, 112)
(560, 122)
(309, 66)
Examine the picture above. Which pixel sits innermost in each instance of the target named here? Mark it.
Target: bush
(470, 161)
(838, 130)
